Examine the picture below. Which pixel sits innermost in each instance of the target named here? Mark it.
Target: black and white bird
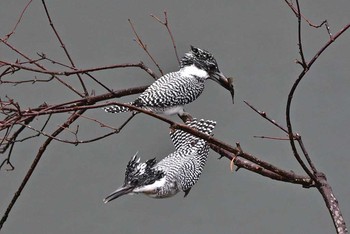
(179, 171)
(170, 93)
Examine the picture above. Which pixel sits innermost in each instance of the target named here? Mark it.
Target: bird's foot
(186, 117)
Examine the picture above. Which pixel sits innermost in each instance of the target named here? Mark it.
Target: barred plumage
(179, 171)
(171, 92)
(186, 164)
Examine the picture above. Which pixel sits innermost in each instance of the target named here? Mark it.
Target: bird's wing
(183, 139)
(192, 168)
(171, 90)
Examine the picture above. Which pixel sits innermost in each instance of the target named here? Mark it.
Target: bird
(170, 93)
(179, 171)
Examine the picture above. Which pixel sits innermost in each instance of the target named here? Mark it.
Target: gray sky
(253, 41)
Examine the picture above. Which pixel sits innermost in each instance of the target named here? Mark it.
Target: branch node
(239, 149)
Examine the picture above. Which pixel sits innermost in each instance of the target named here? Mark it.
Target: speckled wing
(171, 89)
(193, 168)
(187, 162)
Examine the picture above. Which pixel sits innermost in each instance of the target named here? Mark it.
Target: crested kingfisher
(170, 93)
(179, 171)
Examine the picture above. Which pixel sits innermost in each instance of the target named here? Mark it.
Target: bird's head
(204, 60)
(137, 175)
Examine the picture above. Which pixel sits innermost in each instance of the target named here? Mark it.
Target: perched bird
(179, 171)
(170, 93)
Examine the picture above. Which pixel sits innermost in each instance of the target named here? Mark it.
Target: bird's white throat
(192, 70)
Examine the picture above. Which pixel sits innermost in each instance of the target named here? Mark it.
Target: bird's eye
(135, 181)
(195, 50)
(212, 67)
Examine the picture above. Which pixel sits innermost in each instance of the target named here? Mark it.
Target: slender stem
(64, 47)
(40, 153)
(144, 47)
(320, 180)
(301, 52)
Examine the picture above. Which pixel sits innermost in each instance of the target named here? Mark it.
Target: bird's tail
(118, 109)
(181, 138)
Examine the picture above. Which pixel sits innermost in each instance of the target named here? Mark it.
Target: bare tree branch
(319, 178)
(166, 24)
(144, 47)
(18, 21)
(64, 47)
(40, 153)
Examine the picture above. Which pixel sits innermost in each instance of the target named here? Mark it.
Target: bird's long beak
(225, 82)
(119, 192)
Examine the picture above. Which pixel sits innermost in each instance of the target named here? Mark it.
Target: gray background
(253, 41)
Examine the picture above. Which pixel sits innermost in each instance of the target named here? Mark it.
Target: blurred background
(253, 41)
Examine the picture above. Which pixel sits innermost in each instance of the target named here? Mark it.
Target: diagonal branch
(212, 140)
(144, 47)
(40, 153)
(18, 21)
(35, 63)
(264, 115)
(22, 116)
(166, 24)
(64, 47)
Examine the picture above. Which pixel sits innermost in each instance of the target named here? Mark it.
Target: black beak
(119, 192)
(225, 82)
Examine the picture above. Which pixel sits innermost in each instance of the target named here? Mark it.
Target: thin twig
(272, 138)
(166, 24)
(33, 81)
(36, 64)
(301, 52)
(311, 24)
(38, 134)
(78, 71)
(144, 47)
(18, 21)
(63, 47)
(7, 160)
(67, 107)
(40, 153)
(264, 115)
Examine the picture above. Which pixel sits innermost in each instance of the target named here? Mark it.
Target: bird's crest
(141, 173)
(201, 59)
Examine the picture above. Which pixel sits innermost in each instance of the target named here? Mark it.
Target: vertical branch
(332, 204)
(319, 178)
(290, 98)
(303, 62)
(292, 91)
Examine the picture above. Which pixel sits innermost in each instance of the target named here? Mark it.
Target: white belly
(173, 110)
